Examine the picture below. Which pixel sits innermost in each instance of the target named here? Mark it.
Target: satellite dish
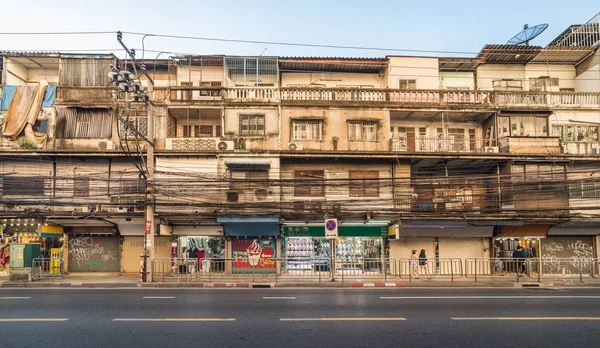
(527, 34)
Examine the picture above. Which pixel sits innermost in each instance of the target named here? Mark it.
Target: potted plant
(24, 143)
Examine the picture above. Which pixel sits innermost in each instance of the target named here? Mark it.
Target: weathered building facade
(462, 157)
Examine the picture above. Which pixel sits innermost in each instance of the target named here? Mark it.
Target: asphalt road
(299, 318)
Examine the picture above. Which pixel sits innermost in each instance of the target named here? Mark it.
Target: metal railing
(273, 270)
(533, 268)
(448, 144)
(435, 268)
(44, 268)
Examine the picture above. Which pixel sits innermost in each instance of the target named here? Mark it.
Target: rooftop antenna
(527, 34)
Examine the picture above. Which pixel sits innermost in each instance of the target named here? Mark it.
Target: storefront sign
(253, 255)
(344, 230)
(331, 228)
(148, 227)
(50, 231)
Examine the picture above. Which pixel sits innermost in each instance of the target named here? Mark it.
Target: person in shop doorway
(194, 257)
(184, 261)
(414, 264)
(526, 256)
(519, 257)
(423, 263)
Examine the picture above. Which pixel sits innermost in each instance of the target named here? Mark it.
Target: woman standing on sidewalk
(414, 264)
(423, 263)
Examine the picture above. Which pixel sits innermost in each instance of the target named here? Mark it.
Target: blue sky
(455, 26)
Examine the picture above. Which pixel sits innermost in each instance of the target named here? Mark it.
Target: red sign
(148, 227)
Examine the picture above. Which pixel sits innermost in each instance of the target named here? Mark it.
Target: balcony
(548, 99)
(378, 97)
(530, 145)
(452, 144)
(92, 95)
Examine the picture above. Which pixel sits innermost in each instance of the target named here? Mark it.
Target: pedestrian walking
(414, 264)
(423, 263)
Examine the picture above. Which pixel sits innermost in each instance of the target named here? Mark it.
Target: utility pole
(125, 81)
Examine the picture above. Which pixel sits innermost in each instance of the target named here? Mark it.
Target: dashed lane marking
(14, 298)
(527, 318)
(158, 297)
(278, 298)
(174, 319)
(342, 319)
(8, 320)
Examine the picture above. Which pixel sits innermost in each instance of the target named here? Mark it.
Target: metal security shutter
(94, 254)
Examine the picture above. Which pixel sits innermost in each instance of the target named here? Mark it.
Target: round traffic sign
(330, 225)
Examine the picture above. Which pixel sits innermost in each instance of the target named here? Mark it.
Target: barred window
(309, 183)
(22, 186)
(307, 130)
(364, 183)
(81, 187)
(252, 124)
(362, 131)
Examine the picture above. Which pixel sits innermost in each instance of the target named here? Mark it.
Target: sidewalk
(116, 281)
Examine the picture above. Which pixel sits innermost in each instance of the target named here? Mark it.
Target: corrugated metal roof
(333, 64)
(28, 54)
(561, 54)
(513, 54)
(459, 64)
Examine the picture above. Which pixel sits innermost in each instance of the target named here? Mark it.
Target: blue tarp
(7, 95)
(49, 97)
(9, 91)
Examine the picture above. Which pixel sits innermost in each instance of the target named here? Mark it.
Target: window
(364, 183)
(309, 183)
(530, 126)
(22, 186)
(81, 187)
(187, 131)
(252, 124)
(407, 84)
(584, 189)
(132, 187)
(507, 85)
(362, 131)
(205, 131)
(307, 130)
(253, 182)
(89, 123)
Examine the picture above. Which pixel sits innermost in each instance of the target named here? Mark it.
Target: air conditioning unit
(336, 208)
(491, 149)
(314, 207)
(295, 147)
(226, 145)
(106, 145)
(233, 197)
(139, 206)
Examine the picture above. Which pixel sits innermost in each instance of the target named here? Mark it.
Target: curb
(378, 285)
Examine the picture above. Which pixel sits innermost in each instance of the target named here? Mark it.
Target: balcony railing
(435, 98)
(451, 144)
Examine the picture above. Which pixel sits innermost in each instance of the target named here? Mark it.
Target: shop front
(440, 242)
(566, 250)
(529, 236)
(29, 231)
(201, 243)
(253, 242)
(93, 248)
(358, 248)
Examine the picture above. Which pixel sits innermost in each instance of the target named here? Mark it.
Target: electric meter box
(22, 255)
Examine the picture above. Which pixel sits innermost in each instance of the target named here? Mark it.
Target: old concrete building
(462, 157)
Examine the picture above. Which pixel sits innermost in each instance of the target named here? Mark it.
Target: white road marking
(8, 320)
(13, 298)
(174, 319)
(156, 297)
(482, 297)
(528, 318)
(342, 319)
(278, 298)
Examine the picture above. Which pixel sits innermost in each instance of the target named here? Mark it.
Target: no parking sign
(331, 228)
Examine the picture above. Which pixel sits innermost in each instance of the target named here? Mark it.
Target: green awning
(344, 230)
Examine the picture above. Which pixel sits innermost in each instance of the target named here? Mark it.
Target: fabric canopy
(24, 111)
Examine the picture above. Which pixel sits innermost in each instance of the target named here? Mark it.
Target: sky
(426, 28)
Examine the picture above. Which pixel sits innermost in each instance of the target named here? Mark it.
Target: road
(288, 318)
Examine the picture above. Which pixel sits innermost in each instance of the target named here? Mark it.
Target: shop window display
(358, 254)
(201, 250)
(304, 253)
